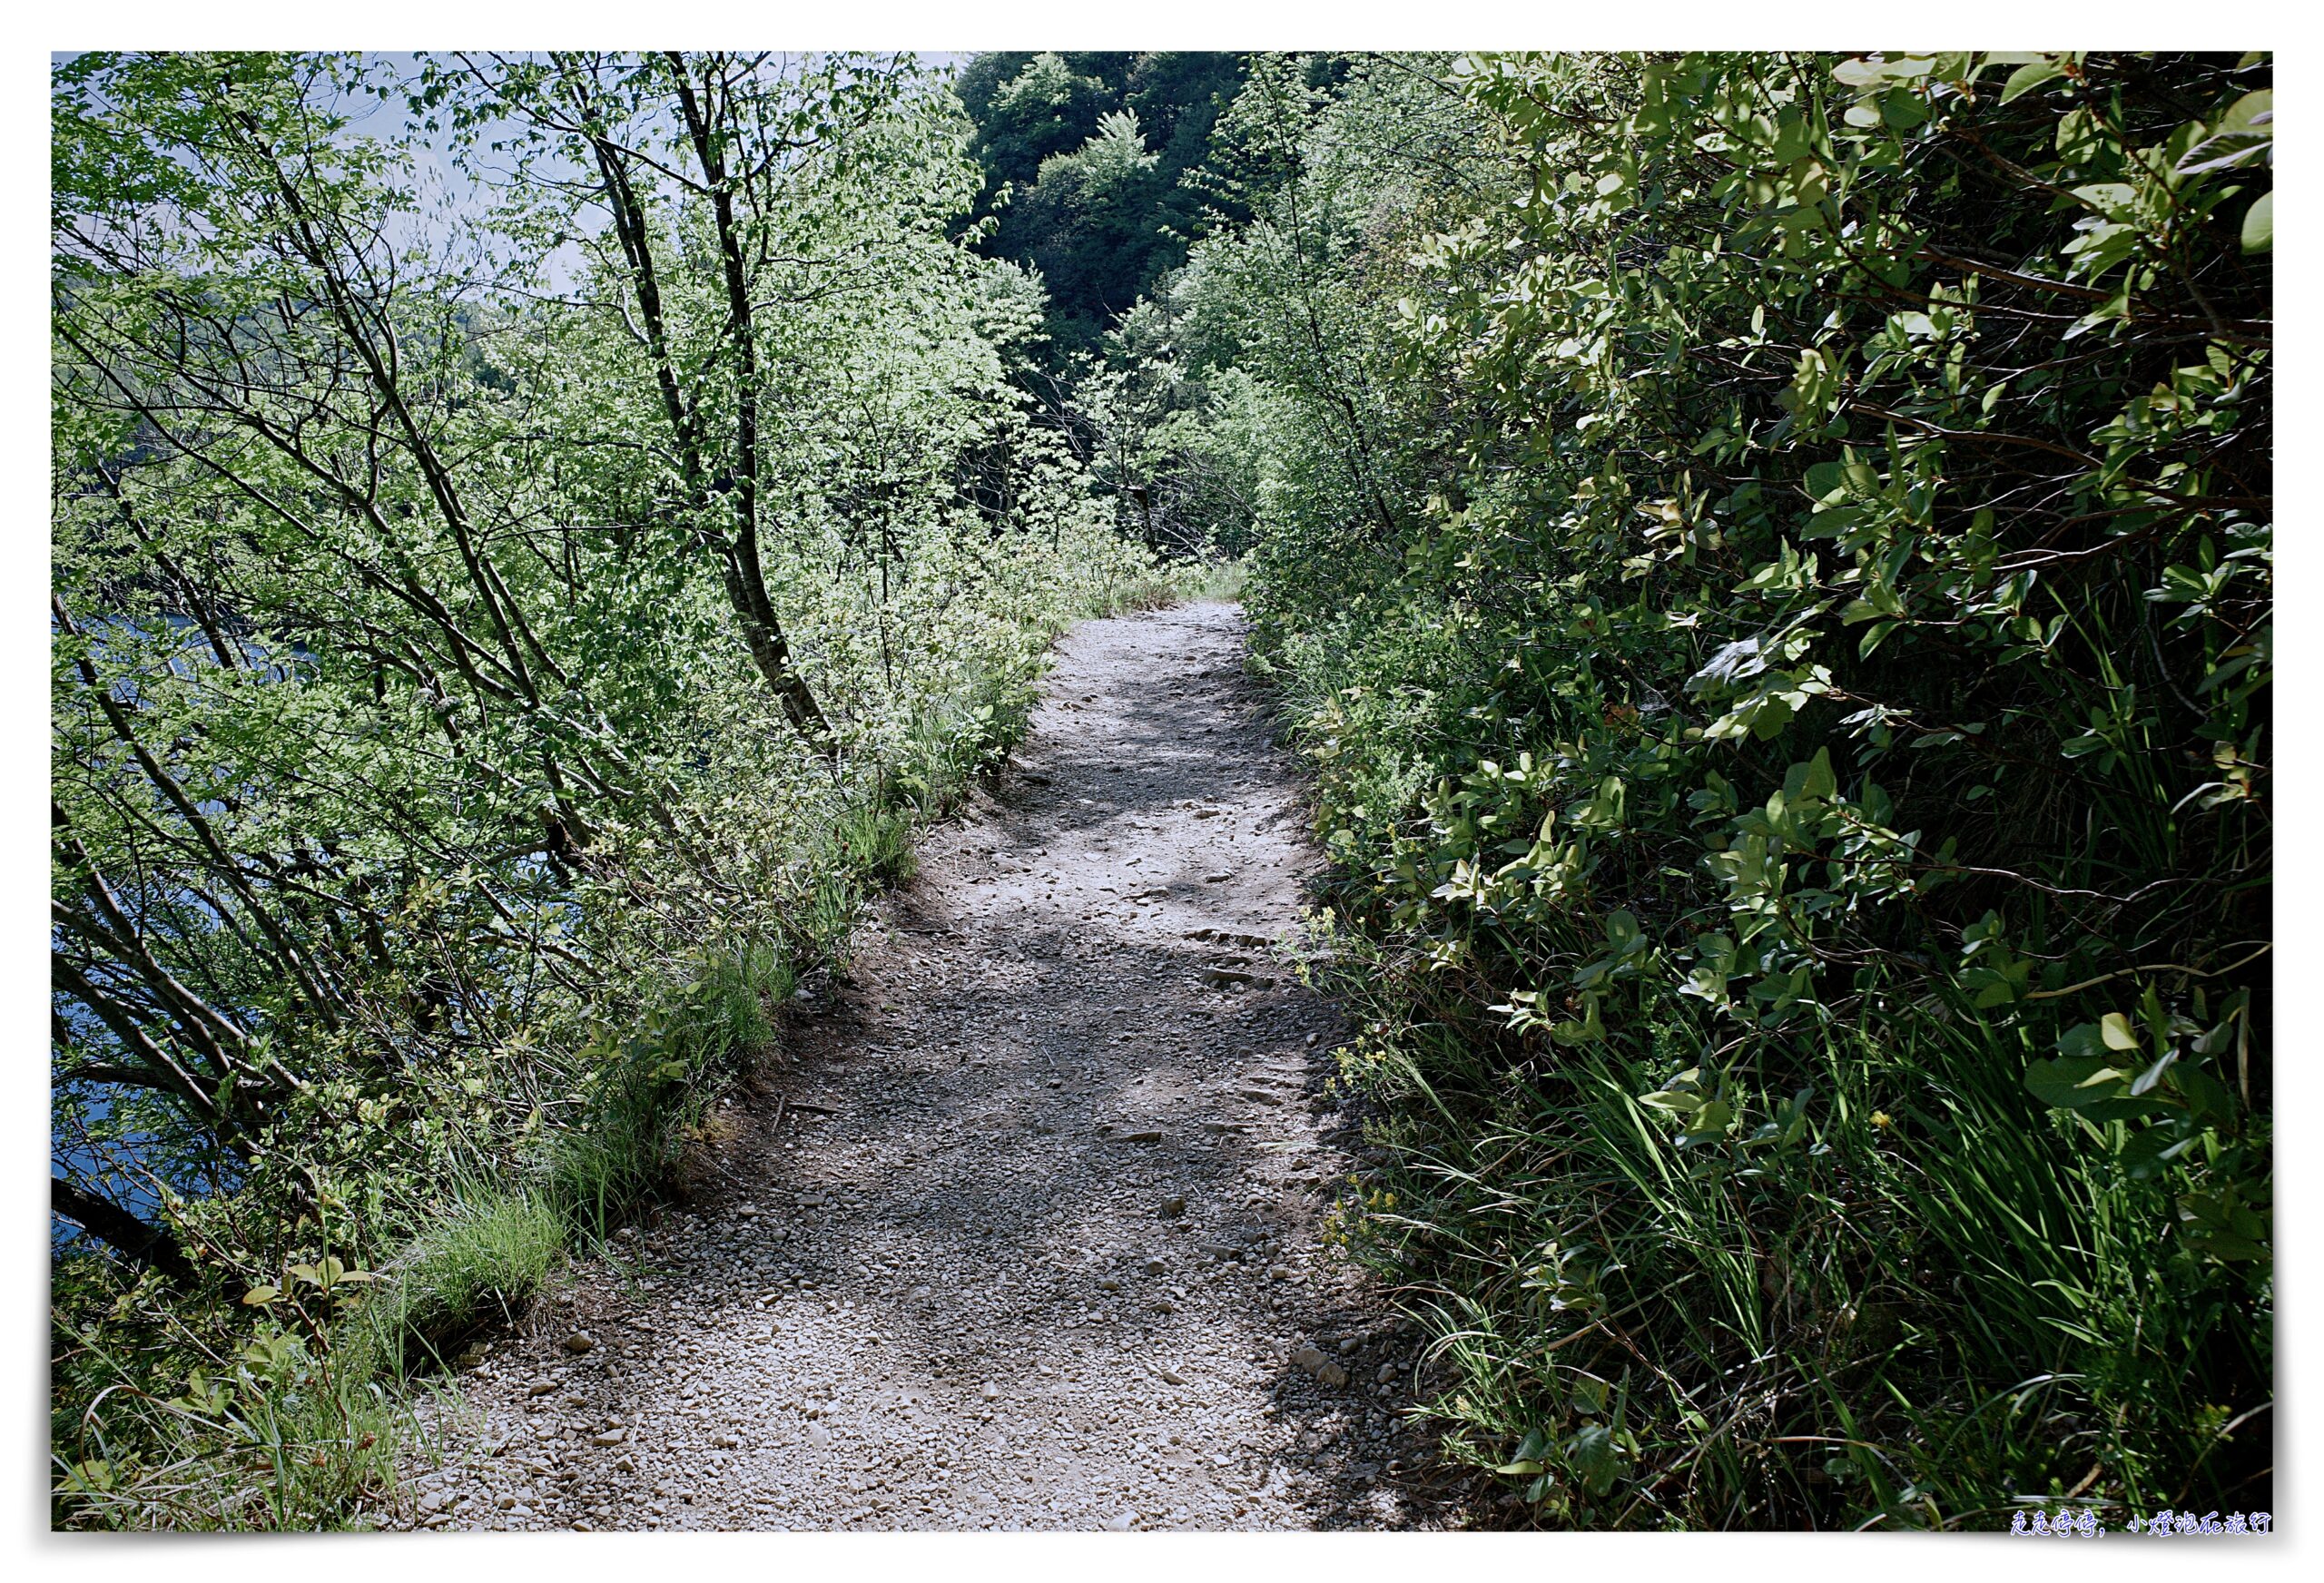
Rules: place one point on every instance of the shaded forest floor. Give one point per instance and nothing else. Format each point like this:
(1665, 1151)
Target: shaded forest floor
(1023, 1225)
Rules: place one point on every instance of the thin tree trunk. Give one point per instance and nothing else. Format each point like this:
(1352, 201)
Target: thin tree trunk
(745, 587)
(762, 628)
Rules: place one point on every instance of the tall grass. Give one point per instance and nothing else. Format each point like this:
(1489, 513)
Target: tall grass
(1906, 1299)
(481, 1266)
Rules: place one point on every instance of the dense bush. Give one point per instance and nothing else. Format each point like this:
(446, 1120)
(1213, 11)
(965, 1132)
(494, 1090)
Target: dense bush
(1771, 556)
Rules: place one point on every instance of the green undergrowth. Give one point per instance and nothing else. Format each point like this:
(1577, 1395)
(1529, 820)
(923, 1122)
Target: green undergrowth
(1770, 558)
(1177, 583)
(1900, 1296)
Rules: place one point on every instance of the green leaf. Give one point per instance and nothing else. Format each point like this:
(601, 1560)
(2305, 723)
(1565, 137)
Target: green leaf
(2111, 199)
(1863, 73)
(1588, 1030)
(2030, 76)
(2148, 1151)
(2217, 1221)
(2211, 1099)
(1819, 781)
(2225, 151)
(2146, 1080)
(2260, 225)
(1594, 1455)
(1769, 720)
(1903, 108)
(2073, 1082)
(1998, 991)
(2116, 1030)
(1709, 1123)
(2255, 109)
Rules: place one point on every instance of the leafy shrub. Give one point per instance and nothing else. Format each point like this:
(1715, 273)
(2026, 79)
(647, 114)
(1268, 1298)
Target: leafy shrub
(1770, 558)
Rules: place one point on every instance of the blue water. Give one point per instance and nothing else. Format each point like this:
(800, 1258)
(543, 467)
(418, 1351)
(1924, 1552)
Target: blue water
(122, 1169)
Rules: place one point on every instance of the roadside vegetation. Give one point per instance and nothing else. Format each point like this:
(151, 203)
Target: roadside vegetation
(1770, 558)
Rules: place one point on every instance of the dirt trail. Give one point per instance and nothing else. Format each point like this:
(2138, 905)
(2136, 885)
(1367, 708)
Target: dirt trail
(1024, 1231)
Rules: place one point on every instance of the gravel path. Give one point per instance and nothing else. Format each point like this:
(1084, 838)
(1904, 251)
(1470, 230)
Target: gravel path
(1022, 1229)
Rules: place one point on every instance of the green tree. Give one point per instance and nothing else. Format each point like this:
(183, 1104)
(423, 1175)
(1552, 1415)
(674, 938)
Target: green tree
(496, 646)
